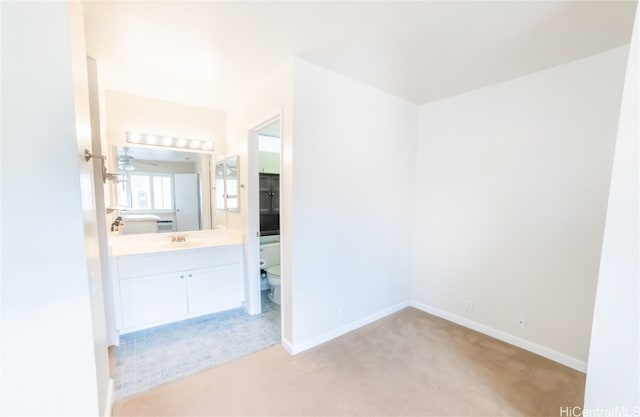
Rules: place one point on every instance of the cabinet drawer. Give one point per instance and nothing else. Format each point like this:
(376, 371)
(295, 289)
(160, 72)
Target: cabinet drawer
(157, 263)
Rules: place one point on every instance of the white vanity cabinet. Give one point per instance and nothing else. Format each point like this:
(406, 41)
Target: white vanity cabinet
(158, 288)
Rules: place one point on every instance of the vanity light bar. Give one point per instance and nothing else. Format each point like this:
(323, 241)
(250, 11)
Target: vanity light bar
(170, 142)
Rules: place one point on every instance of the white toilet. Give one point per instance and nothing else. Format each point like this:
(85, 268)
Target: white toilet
(273, 276)
(270, 262)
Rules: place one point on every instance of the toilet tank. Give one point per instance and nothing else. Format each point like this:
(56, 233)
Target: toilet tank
(270, 252)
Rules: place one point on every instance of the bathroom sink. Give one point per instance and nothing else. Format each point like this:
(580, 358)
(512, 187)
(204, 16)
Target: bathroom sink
(181, 245)
(141, 244)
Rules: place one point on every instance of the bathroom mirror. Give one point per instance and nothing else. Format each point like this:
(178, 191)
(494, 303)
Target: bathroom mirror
(220, 185)
(171, 186)
(232, 184)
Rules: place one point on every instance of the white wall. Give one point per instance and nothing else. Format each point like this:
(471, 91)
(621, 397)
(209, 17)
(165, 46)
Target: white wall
(128, 112)
(347, 190)
(512, 186)
(352, 202)
(269, 162)
(50, 346)
(613, 376)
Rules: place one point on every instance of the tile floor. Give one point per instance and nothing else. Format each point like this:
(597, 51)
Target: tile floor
(151, 357)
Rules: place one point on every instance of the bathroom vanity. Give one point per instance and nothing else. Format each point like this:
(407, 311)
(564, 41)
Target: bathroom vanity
(158, 281)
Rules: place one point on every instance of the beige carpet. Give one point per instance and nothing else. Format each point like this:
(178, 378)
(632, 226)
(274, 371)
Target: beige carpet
(409, 363)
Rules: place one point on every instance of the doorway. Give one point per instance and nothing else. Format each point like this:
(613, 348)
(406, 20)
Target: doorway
(264, 247)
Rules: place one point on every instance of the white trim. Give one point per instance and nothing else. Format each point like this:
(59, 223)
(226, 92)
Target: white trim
(287, 345)
(108, 405)
(544, 351)
(267, 120)
(294, 349)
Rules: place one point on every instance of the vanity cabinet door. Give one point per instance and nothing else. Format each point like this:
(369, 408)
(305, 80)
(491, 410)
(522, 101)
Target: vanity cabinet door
(275, 194)
(214, 289)
(265, 190)
(153, 300)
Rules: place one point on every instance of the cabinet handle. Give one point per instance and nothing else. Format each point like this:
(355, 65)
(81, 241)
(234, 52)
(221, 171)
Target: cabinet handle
(181, 276)
(190, 275)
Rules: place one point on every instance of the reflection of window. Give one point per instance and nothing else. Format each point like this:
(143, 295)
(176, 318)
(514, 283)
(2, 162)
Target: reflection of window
(147, 192)
(232, 193)
(140, 192)
(220, 193)
(162, 197)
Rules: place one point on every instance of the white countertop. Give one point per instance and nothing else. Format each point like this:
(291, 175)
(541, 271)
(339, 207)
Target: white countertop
(124, 245)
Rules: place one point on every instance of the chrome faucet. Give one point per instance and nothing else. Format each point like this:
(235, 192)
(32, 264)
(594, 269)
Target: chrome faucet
(178, 238)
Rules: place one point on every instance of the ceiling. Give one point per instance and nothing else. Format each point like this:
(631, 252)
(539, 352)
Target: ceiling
(154, 154)
(210, 53)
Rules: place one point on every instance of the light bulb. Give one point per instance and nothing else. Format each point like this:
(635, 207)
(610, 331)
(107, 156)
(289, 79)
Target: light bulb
(151, 139)
(181, 143)
(195, 144)
(167, 140)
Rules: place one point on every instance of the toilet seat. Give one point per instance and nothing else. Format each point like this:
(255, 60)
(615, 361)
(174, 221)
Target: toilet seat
(274, 271)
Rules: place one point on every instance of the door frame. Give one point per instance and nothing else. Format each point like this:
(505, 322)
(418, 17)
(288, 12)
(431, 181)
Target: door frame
(254, 305)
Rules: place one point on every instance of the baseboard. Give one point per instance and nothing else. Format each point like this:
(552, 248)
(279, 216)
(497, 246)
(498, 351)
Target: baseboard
(294, 349)
(108, 404)
(287, 345)
(543, 351)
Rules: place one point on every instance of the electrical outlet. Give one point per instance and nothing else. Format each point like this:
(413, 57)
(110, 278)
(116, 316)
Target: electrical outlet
(468, 305)
(522, 322)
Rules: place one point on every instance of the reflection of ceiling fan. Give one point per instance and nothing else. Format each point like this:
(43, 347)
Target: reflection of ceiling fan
(125, 162)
